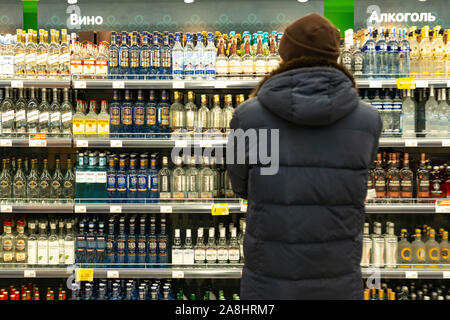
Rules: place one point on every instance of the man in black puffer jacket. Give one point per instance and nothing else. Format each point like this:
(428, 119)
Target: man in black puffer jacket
(304, 223)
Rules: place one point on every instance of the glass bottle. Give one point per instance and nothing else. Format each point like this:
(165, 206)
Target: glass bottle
(33, 182)
(164, 180)
(200, 248)
(30, 55)
(393, 59)
(377, 258)
(380, 178)
(211, 248)
(192, 180)
(177, 114)
(166, 58)
(66, 113)
(19, 55)
(144, 56)
(444, 113)
(155, 54)
(423, 179)
(163, 115)
(432, 121)
(228, 111)
(42, 245)
(150, 114)
(69, 245)
(126, 123)
(53, 55)
(55, 115)
(139, 115)
(114, 114)
(418, 250)
(191, 113)
(69, 182)
(209, 58)
(406, 179)
(178, 180)
(7, 243)
(391, 246)
(32, 113)
(53, 245)
(216, 116)
(207, 184)
(19, 182)
(188, 58)
(222, 67)
(404, 250)
(42, 56)
(199, 68)
(5, 182)
(248, 67)
(445, 249)
(203, 116)
(408, 117)
(163, 241)
(235, 61)
(366, 247)
(432, 249)
(152, 179)
(134, 57)
(56, 190)
(45, 181)
(124, 57)
(64, 55)
(222, 248)
(381, 54)
(44, 108)
(32, 245)
(91, 120)
(177, 252)
(393, 179)
(426, 51)
(370, 55)
(20, 116)
(8, 58)
(273, 60)
(113, 57)
(177, 58)
(7, 114)
(260, 60)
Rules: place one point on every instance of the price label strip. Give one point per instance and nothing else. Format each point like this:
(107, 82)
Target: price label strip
(410, 143)
(37, 140)
(406, 83)
(180, 143)
(79, 84)
(446, 274)
(178, 85)
(446, 142)
(220, 85)
(84, 275)
(411, 275)
(115, 209)
(116, 143)
(375, 84)
(16, 84)
(220, 209)
(421, 83)
(442, 206)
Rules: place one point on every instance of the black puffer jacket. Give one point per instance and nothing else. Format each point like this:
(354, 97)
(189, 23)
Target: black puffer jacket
(304, 224)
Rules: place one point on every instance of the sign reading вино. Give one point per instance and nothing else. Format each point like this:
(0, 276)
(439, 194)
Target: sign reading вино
(405, 13)
(173, 15)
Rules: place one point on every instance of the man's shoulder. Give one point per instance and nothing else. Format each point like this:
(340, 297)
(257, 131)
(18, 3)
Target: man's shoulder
(248, 106)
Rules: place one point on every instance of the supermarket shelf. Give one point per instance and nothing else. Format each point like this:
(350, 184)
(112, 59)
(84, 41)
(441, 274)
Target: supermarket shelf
(414, 142)
(164, 84)
(400, 208)
(392, 83)
(24, 142)
(37, 83)
(407, 273)
(31, 208)
(149, 142)
(35, 273)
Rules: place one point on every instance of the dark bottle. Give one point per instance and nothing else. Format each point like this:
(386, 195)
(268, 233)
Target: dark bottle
(139, 115)
(379, 177)
(393, 187)
(132, 179)
(69, 182)
(111, 179)
(114, 114)
(423, 179)
(150, 114)
(126, 125)
(436, 183)
(406, 179)
(33, 182)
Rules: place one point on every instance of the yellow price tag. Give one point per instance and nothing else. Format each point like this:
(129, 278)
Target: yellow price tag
(406, 83)
(85, 275)
(219, 209)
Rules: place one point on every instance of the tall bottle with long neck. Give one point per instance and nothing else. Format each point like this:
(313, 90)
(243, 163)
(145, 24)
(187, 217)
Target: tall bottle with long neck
(444, 113)
(33, 182)
(381, 50)
(8, 113)
(21, 112)
(113, 59)
(199, 68)
(393, 55)
(418, 249)
(55, 115)
(41, 56)
(209, 58)
(57, 182)
(370, 56)
(19, 183)
(124, 58)
(64, 55)
(45, 181)
(44, 111)
(188, 58)
(32, 112)
(415, 66)
(404, 55)
(408, 118)
(5, 182)
(222, 66)
(30, 55)
(166, 57)
(19, 55)
(53, 55)
(432, 121)
(177, 58)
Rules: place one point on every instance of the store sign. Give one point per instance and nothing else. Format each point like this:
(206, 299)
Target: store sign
(76, 20)
(387, 13)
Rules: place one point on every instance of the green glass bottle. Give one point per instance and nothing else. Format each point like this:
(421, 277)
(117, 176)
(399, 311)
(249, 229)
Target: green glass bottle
(33, 182)
(45, 181)
(69, 182)
(56, 186)
(19, 182)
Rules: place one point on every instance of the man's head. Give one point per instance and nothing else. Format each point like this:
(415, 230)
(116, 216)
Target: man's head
(312, 36)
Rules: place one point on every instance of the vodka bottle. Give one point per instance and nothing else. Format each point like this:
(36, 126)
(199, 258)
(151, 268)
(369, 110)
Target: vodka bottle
(150, 113)
(19, 183)
(188, 249)
(222, 66)
(198, 57)
(153, 179)
(397, 113)
(113, 57)
(370, 56)
(20, 243)
(426, 57)
(377, 257)
(91, 119)
(445, 249)
(64, 55)
(404, 56)
(391, 245)
(393, 55)
(211, 248)
(177, 249)
(177, 58)
(44, 109)
(32, 113)
(53, 245)
(207, 183)
(177, 114)
(124, 58)
(178, 180)
(155, 61)
(33, 182)
(203, 115)
(53, 55)
(358, 60)
(222, 247)
(69, 182)
(273, 60)
(432, 121)
(42, 245)
(209, 58)
(126, 121)
(188, 58)
(386, 114)
(164, 180)
(8, 113)
(192, 180)
(382, 55)
(216, 116)
(191, 113)
(5, 181)
(163, 241)
(200, 248)
(163, 115)
(134, 57)
(30, 55)
(45, 181)
(408, 116)
(32, 247)
(55, 115)
(346, 55)
(228, 111)
(444, 113)
(7, 247)
(367, 247)
(42, 56)
(432, 249)
(114, 114)
(404, 255)
(139, 114)
(8, 58)
(20, 121)
(19, 55)
(418, 249)
(56, 187)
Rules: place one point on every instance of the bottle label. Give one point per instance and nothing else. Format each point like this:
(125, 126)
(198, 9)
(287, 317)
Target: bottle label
(121, 182)
(406, 188)
(394, 188)
(433, 254)
(132, 182)
(101, 68)
(272, 64)
(380, 188)
(145, 58)
(260, 67)
(151, 115)
(177, 256)
(20, 115)
(188, 256)
(127, 116)
(199, 255)
(8, 116)
(64, 58)
(19, 58)
(405, 254)
(211, 255)
(248, 67)
(42, 252)
(222, 255)
(91, 177)
(32, 252)
(30, 58)
(66, 117)
(53, 59)
(142, 182)
(76, 67)
(164, 116)
(235, 67)
(166, 58)
(42, 59)
(69, 252)
(80, 176)
(222, 67)
(103, 126)
(139, 116)
(111, 182)
(233, 255)
(101, 177)
(153, 183)
(89, 67)
(445, 252)
(43, 117)
(55, 117)
(423, 188)
(91, 126)
(155, 58)
(420, 254)
(115, 115)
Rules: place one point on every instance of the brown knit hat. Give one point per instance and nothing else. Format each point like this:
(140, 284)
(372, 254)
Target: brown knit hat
(311, 35)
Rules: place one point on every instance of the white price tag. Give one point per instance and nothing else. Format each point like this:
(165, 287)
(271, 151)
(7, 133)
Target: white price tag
(220, 85)
(79, 84)
(421, 83)
(37, 143)
(205, 143)
(16, 84)
(448, 82)
(82, 143)
(177, 274)
(6, 208)
(115, 209)
(178, 84)
(446, 274)
(244, 205)
(165, 209)
(411, 275)
(410, 143)
(446, 142)
(112, 274)
(442, 206)
(371, 194)
(5, 142)
(180, 143)
(29, 274)
(116, 143)
(118, 84)
(375, 84)
(80, 209)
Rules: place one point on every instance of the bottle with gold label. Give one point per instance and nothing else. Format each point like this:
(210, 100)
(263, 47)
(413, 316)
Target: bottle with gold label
(415, 53)
(228, 111)
(79, 120)
(20, 243)
(42, 56)
(7, 243)
(426, 54)
(91, 120)
(191, 114)
(438, 53)
(30, 55)
(432, 249)
(53, 55)
(163, 115)
(418, 250)
(139, 115)
(445, 249)
(404, 250)
(177, 114)
(216, 116)
(64, 56)
(203, 115)
(19, 55)
(248, 64)
(103, 120)
(273, 60)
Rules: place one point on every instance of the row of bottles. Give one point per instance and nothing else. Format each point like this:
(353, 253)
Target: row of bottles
(408, 116)
(130, 178)
(408, 290)
(32, 184)
(23, 115)
(32, 292)
(23, 56)
(391, 179)
(386, 250)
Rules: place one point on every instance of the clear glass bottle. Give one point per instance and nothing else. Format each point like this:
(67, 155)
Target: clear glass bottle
(209, 58)
(33, 182)
(30, 55)
(222, 247)
(188, 249)
(8, 114)
(191, 113)
(5, 182)
(19, 183)
(124, 57)
(233, 248)
(445, 249)
(55, 115)
(177, 114)
(42, 245)
(69, 245)
(444, 113)
(177, 252)
(42, 56)
(273, 60)
(207, 184)
(56, 190)
(32, 258)
(211, 248)
(21, 112)
(192, 180)
(188, 58)
(203, 117)
(69, 182)
(235, 61)
(32, 113)
(418, 249)
(391, 245)
(426, 54)
(393, 58)
(7, 239)
(377, 257)
(408, 116)
(64, 55)
(44, 109)
(53, 55)
(216, 117)
(163, 115)
(53, 245)
(177, 58)
(366, 247)
(248, 63)
(45, 181)
(432, 249)
(178, 180)
(66, 113)
(370, 56)
(164, 180)
(91, 119)
(404, 54)
(19, 55)
(228, 112)
(222, 67)
(404, 254)
(198, 53)
(432, 121)
(200, 248)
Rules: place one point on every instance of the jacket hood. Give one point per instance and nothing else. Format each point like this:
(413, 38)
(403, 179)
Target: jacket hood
(309, 92)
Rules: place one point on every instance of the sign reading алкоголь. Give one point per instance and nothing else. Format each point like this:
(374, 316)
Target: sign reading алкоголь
(405, 13)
